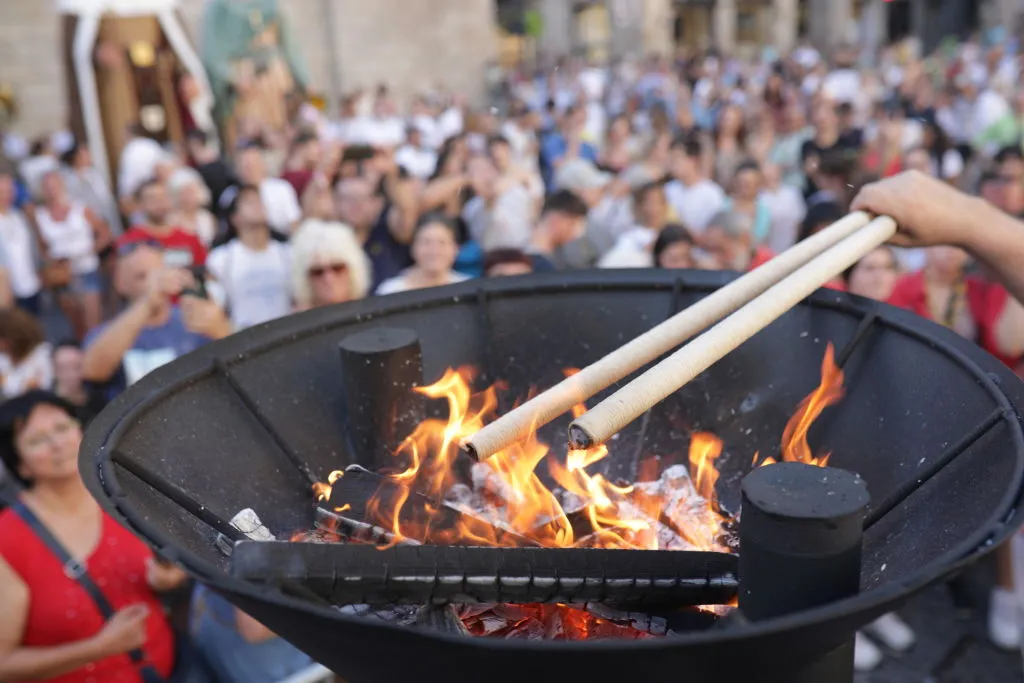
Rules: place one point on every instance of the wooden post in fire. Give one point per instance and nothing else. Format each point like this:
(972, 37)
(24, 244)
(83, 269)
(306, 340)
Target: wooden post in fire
(379, 369)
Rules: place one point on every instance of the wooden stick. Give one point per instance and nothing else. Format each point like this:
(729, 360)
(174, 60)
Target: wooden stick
(546, 406)
(660, 381)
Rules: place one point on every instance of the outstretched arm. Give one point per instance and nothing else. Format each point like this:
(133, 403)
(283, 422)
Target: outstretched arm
(930, 212)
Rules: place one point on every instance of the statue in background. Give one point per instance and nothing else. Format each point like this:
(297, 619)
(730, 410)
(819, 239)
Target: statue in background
(254, 68)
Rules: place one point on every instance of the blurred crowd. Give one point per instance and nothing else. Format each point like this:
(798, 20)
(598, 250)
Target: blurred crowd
(702, 161)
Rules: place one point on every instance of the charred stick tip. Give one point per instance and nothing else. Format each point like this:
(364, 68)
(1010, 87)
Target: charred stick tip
(578, 438)
(469, 449)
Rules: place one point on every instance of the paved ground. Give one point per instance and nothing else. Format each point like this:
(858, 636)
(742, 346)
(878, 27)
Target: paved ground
(952, 646)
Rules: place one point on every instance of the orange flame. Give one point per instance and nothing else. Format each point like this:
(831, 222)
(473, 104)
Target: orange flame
(322, 491)
(509, 496)
(704, 450)
(830, 391)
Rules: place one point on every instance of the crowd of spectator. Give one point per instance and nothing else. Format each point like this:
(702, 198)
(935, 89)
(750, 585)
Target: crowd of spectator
(703, 161)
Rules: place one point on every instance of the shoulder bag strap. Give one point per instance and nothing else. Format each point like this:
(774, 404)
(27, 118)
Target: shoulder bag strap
(73, 569)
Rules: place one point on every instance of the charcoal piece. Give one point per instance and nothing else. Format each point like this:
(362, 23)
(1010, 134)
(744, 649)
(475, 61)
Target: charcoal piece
(379, 369)
(360, 491)
(350, 530)
(633, 579)
(441, 618)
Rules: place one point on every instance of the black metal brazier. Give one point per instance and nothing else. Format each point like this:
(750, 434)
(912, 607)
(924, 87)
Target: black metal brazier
(929, 421)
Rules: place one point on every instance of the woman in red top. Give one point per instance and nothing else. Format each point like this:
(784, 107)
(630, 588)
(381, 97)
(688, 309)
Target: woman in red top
(50, 629)
(969, 305)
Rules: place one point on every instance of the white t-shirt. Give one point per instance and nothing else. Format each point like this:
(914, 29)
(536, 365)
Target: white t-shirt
(631, 250)
(429, 133)
(522, 144)
(385, 132)
(281, 203)
(696, 204)
(71, 238)
(449, 123)
(256, 285)
(399, 283)
(508, 224)
(842, 85)
(34, 372)
(139, 159)
(419, 162)
(788, 208)
(950, 166)
(988, 109)
(16, 237)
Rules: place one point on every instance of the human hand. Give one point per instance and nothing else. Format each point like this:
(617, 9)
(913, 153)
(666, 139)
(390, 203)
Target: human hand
(927, 210)
(204, 317)
(123, 632)
(162, 576)
(165, 283)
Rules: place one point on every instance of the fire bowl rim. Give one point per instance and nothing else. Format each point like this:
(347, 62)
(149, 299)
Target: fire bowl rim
(101, 438)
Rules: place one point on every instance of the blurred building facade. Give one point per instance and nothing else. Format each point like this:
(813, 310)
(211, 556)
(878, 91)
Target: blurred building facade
(414, 44)
(408, 44)
(597, 29)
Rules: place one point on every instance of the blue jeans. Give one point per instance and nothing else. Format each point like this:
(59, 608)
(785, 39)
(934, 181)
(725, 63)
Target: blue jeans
(87, 283)
(232, 659)
(31, 304)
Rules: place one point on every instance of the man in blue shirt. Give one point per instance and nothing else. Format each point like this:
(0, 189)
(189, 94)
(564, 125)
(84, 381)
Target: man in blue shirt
(151, 331)
(566, 143)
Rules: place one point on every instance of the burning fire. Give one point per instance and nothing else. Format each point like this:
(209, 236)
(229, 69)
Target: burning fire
(586, 510)
(794, 437)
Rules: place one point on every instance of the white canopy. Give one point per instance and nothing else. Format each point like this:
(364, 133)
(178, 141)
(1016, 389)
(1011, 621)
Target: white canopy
(121, 7)
(91, 12)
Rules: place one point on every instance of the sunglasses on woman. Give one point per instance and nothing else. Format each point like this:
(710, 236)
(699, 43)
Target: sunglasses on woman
(335, 268)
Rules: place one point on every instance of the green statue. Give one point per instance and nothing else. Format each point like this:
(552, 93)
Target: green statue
(254, 67)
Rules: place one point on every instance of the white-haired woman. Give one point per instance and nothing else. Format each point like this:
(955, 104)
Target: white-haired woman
(191, 196)
(328, 265)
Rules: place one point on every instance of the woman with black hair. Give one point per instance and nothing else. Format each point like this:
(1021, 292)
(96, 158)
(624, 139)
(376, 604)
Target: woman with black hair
(446, 189)
(673, 248)
(947, 163)
(78, 593)
(435, 247)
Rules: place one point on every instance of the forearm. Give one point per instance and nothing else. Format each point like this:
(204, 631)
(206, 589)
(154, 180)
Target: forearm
(439, 191)
(6, 294)
(104, 355)
(997, 241)
(404, 213)
(42, 663)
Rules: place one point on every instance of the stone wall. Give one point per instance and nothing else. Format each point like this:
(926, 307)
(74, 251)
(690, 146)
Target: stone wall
(409, 44)
(30, 63)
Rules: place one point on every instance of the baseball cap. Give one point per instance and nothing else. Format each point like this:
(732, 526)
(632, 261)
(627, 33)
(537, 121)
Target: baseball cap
(579, 174)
